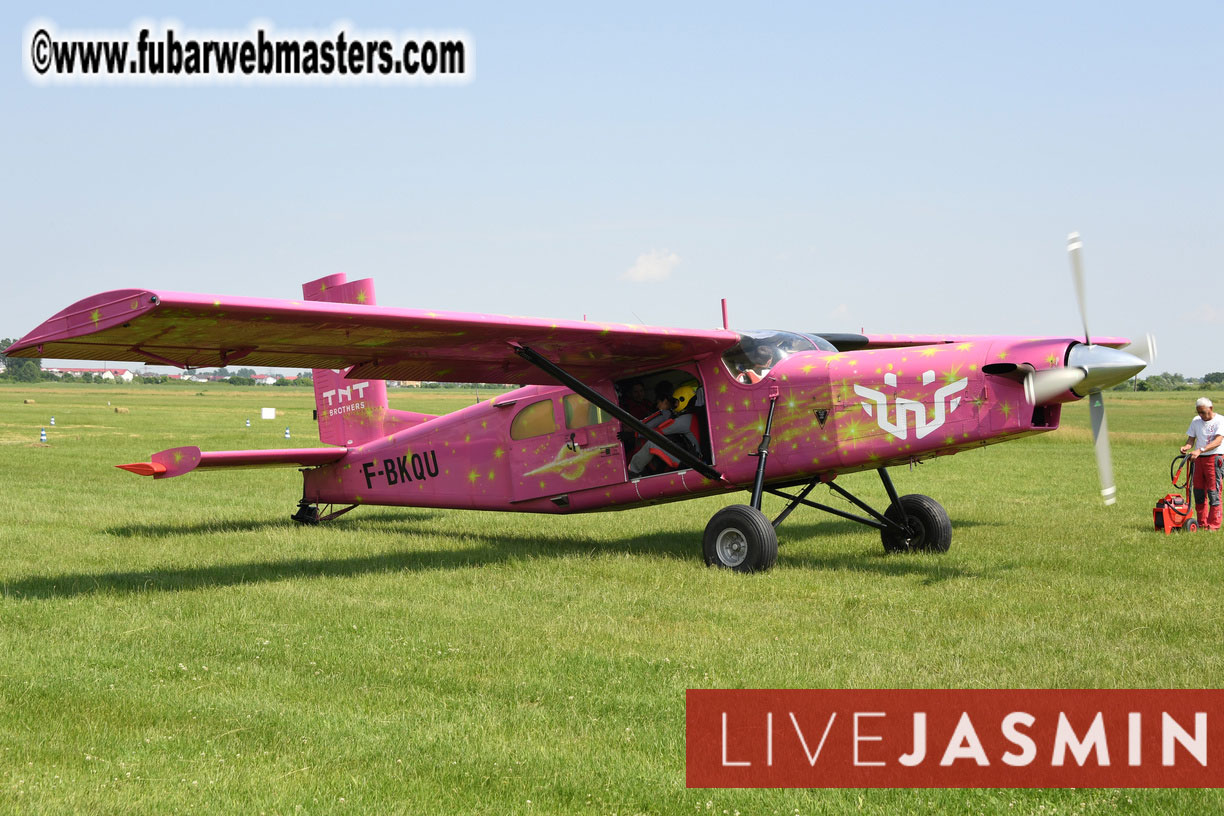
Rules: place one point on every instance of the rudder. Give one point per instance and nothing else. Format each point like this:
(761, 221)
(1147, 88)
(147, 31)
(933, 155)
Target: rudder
(352, 412)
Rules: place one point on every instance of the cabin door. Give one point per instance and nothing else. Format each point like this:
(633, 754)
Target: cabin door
(561, 445)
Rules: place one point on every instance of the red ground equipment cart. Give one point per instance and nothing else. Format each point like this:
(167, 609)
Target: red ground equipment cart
(1175, 512)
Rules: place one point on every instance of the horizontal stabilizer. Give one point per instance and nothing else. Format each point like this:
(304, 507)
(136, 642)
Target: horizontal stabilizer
(144, 468)
(177, 461)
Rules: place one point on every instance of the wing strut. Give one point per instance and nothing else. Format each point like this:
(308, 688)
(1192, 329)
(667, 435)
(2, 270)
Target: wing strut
(579, 387)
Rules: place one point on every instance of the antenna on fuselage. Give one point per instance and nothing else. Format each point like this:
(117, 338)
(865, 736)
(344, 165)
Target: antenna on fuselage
(724, 307)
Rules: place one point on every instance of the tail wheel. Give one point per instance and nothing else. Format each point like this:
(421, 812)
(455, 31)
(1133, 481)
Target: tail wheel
(307, 513)
(740, 538)
(926, 523)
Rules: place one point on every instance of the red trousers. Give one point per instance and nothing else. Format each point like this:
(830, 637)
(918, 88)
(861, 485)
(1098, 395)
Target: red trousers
(1207, 478)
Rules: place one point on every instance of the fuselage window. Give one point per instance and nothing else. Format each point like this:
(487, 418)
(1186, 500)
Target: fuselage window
(536, 419)
(581, 412)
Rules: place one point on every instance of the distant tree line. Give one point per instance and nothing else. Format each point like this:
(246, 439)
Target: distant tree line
(19, 369)
(29, 370)
(1169, 381)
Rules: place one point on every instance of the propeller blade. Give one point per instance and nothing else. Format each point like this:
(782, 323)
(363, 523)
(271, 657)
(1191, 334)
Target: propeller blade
(1074, 245)
(1100, 441)
(1042, 386)
(1144, 349)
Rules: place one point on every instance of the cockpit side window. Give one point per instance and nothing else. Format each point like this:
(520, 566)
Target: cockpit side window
(580, 412)
(752, 358)
(536, 419)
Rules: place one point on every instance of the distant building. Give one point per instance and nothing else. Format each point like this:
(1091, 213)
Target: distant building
(122, 374)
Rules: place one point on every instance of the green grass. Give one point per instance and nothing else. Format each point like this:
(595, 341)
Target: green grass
(180, 645)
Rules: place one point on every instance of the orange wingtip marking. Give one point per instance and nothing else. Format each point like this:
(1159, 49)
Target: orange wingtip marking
(144, 468)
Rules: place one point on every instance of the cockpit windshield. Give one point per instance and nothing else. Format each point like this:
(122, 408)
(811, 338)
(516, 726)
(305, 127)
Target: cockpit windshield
(757, 352)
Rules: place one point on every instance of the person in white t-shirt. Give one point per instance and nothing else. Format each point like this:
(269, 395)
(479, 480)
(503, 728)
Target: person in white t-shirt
(1203, 440)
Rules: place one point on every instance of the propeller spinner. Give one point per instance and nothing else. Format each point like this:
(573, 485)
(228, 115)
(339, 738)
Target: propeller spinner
(1089, 370)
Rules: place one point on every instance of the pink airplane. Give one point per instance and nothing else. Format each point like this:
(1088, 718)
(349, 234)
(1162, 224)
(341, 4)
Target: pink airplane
(774, 412)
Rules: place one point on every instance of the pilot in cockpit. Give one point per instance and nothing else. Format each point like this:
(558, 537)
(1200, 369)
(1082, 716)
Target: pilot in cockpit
(761, 358)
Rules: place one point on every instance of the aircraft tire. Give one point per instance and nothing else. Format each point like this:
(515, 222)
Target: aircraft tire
(931, 528)
(306, 514)
(740, 538)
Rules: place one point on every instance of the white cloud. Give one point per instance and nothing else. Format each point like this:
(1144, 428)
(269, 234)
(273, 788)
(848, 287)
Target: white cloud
(841, 312)
(652, 267)
(1207, 314)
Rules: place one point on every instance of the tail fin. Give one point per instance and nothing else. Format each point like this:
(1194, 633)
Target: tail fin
(352, 412)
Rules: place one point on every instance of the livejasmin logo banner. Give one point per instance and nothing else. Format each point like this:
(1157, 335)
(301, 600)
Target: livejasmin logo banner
(926, 738)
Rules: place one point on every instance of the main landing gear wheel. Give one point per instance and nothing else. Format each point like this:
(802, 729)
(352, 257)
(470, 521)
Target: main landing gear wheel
(928, 528)
(740, 538)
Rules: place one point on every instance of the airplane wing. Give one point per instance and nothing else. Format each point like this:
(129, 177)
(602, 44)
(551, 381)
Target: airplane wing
(197, 331)
(854, 342)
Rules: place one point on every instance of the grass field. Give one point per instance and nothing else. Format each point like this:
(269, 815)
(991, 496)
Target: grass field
(181, 645)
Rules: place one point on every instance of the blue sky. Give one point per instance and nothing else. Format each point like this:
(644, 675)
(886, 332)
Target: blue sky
(824, 167)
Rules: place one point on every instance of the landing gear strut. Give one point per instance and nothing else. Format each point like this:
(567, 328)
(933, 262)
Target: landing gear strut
(742, 538)
(912, 523)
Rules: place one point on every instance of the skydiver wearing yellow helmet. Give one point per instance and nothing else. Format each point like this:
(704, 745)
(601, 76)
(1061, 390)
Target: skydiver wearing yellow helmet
(681, 426)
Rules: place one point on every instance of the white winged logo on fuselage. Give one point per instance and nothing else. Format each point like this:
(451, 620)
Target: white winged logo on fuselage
(877, 405)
